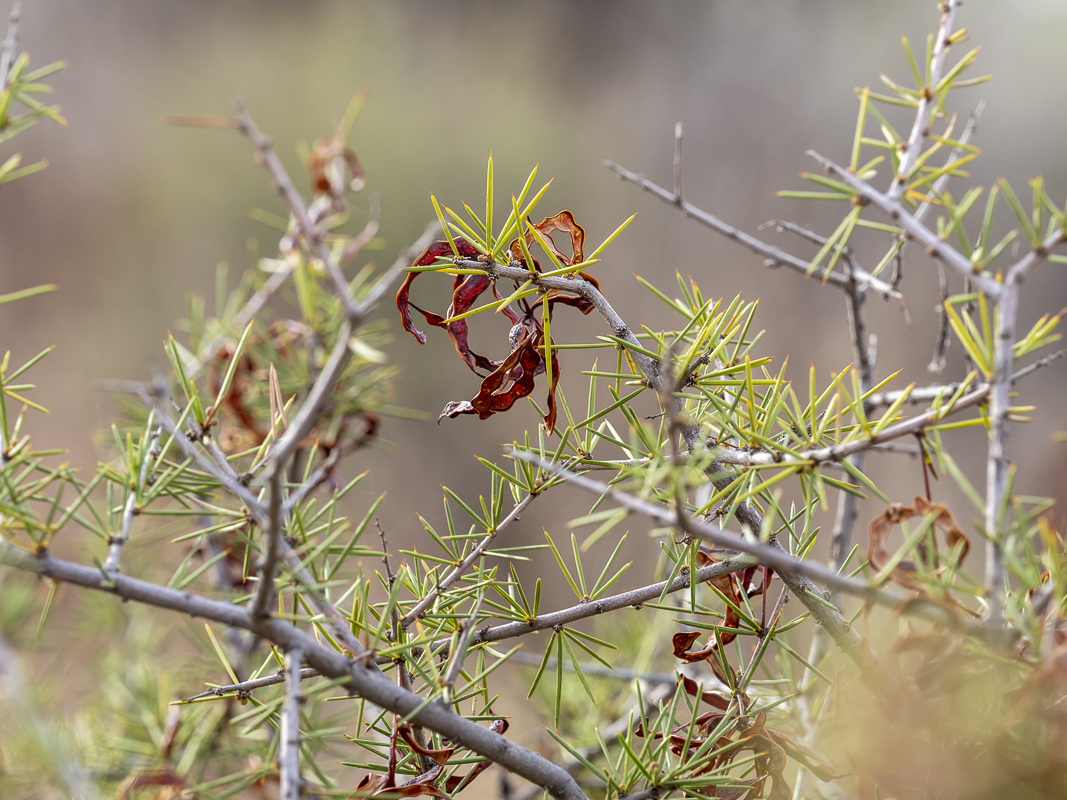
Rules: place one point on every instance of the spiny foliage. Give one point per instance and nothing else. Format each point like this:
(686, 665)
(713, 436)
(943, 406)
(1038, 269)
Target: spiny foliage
(239, 456)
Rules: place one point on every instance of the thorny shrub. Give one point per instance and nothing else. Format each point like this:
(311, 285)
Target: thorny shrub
(920, 679)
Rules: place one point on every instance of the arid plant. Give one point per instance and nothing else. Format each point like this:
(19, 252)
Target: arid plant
(730, 682)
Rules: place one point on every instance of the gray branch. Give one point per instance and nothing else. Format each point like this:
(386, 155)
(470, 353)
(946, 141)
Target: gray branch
(116, 543)
(774, 255)
(261, 603)
(935, 245)
(796, 573)
(633, 598)
(289, 744)
(360, 679)
(308, 230)
(920, 129)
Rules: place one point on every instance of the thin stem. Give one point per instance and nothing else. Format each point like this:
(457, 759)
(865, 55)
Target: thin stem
(246, 687)
(1000, 429)
(261, 603)
(260, 516)
(403, 676)
(925, 394)
(775, 256)
(635, 598)
(314, 405)
(928, 101)
(289, 745)
(457, 571)
(935, 245)
(281, 181)
(131, 508)
(796, 573)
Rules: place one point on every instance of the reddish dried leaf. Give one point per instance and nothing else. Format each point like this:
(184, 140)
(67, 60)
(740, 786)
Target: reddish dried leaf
(464, 296)
(564, 222)
(457, 782)
(879, 529)
(378, 786)
(440, 757)
(170, 784)
(728, 585)
(322, 153)
(518, 369)
(683, 641)
(513, 378)
(711, 698)
(428, 257)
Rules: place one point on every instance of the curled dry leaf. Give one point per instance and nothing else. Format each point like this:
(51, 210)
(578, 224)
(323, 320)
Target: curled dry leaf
(381, 784)
(241, 427)
(769, 747)
(734, 586)
(440, 757)
(692, 688)
(377, 786)
(327, 152)
(904, 573)
(168, 783)
(512, 378)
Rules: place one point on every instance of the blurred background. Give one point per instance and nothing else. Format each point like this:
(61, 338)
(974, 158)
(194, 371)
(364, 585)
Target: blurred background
(132, 215)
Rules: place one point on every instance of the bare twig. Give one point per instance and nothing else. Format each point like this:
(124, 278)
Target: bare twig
(403, 676)
(246, 687)
(261, 516)
(284, 185)
(775, 256)
(999, 408)
(317, 400)
(957, 151)
(289, 745)
(938, 361)
(926, 394)
(264, 598)
(864, 351)
(634, 598)
(317, 478)
(840, 452)
(312, 408)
